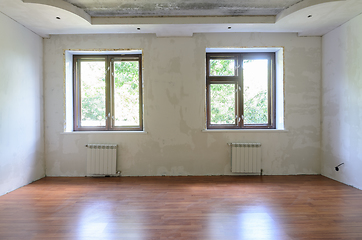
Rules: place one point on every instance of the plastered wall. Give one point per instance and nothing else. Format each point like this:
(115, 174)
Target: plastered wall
(342, 103)
(174, 103)
(21, 106)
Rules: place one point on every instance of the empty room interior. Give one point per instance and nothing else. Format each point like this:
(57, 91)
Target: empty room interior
(171, 119)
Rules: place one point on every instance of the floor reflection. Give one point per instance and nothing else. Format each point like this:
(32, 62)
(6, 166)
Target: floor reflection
(246, 223)
(104, 220)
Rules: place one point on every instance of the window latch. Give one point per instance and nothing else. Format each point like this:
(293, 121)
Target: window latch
(108, 115)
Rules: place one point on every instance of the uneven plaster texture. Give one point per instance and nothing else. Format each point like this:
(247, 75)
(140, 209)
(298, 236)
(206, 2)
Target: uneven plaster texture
(174, 103)
(342, 103)
(182, 8)
(21, 106)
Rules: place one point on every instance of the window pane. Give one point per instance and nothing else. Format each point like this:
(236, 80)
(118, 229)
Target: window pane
(222, 103)
(222, 67)
(126, 96)
(93, 94)
(255, 73)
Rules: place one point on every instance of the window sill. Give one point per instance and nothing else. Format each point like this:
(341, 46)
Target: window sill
(105, 132)
(245, 130)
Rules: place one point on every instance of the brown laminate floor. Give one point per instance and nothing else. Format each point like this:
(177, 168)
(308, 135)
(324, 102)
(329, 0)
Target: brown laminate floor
(210, 208)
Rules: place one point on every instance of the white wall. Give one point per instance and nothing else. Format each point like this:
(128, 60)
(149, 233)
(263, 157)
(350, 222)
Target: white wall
(342, 103)
(21, 106)
(174, 98)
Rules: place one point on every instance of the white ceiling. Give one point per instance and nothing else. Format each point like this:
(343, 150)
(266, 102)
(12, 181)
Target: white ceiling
(180, 17)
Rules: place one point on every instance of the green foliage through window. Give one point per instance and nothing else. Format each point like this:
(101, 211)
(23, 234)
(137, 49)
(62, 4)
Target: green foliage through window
(93, 92)
(250, 87)
(126, 84)
(222, 103)
(108, 93)
(255, 79)
(222, 67)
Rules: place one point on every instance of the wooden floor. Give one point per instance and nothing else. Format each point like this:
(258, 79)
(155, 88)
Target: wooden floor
(220, 208)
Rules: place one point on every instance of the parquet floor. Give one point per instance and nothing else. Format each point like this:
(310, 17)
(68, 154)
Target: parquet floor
(210, 208)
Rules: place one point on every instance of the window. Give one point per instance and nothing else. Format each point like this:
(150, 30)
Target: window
(240, 90)
(107, 92)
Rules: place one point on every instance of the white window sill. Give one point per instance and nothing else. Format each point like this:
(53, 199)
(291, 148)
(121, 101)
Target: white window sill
(245, 130)
(105, 132)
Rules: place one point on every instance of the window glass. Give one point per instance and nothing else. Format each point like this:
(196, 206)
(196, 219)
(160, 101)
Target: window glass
(126, 97)
(242, 97)
(255, 79)
(93, 93)
(107, 93)
(222, 103)
(222, 67)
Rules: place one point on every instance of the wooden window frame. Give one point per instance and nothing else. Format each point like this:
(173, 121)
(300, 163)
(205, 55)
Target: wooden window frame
(109, 101)
(237, 79)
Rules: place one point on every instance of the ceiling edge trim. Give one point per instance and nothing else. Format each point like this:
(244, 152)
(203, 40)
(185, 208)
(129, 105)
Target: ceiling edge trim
(63, 5)
(302, 5)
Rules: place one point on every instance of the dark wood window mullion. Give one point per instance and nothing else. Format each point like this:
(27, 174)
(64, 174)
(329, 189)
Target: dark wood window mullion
(108, 90)
(208, 103)
(111, 93)
(114, 59)
(269, 91)
(273, 91)
(236, 114)
(208, 115)
(140, 87)
(207, 66)
(78, 97)
(75, 94)
(241, 92)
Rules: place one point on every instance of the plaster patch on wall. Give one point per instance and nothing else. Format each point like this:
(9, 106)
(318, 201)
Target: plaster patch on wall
(174, 100)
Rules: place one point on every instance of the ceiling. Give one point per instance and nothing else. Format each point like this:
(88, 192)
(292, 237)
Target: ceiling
(139, 8)
(180, 17)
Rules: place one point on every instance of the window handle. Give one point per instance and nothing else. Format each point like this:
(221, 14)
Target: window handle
(108, 115)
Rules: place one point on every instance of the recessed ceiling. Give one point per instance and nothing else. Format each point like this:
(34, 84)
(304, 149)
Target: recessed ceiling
(137, 8)
(180, 17)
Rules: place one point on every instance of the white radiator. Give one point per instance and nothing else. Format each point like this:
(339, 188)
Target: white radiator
(245, 157)
(101, 159)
